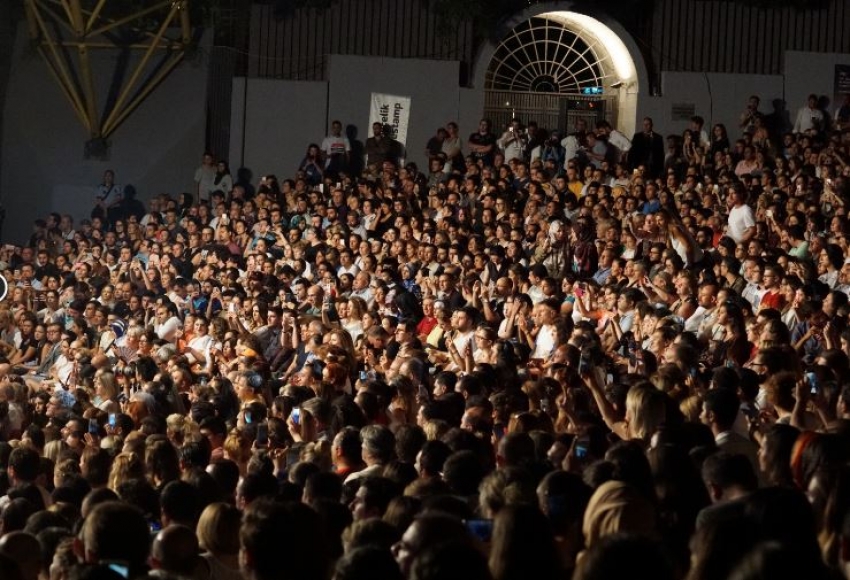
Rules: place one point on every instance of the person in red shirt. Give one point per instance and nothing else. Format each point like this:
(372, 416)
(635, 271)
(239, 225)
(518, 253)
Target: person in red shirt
(772, 298)
(346, 452)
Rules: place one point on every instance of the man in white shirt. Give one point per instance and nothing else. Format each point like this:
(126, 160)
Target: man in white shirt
(618, 143)
(360, 286)
(809, 117)
(346, 264)
(205, 177)
(198, 349)
(844, 278)
(830, 260)
(513, 142)
(706, 302)
(336, 149)
(165, 325)
(179, 294)
(463, 334)
(742, 222)
(753, 291)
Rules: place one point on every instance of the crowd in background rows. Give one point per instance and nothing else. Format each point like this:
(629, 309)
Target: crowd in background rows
(547, 354)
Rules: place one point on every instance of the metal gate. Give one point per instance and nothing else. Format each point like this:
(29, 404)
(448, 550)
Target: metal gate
(549, 110)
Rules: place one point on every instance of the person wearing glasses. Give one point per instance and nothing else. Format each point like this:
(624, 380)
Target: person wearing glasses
(485, 341)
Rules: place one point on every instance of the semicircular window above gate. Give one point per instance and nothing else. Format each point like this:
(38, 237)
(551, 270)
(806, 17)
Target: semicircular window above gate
(541, 55)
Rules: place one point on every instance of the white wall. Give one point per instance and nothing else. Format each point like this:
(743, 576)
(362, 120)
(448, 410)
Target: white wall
(470, 111)
(718, 98)
(273, 121)
(156, 149)
(432, 86)
(810, 72)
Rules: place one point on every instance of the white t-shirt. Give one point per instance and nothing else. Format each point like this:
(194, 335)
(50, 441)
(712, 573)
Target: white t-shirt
(332, 145)
(619, 141)
(205, 178)
(740, 219)
(544, 344)
(808, 119)
(571, 146)
(166, 330)
(201, 344)
(512, 147)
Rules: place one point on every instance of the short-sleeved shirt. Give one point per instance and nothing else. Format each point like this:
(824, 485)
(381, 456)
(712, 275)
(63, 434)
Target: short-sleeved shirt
(205, 178)
(333, 146)
(483, 139)
(741, 218)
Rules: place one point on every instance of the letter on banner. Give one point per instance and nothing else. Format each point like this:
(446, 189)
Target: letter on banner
(391, 110)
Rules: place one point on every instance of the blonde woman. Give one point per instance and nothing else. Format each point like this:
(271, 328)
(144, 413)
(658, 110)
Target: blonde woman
(125, 467)
(54, 449)
(218, 537)
(181, 429)
(237, 448)
(352, 323)
(106, 392)
(645, 410)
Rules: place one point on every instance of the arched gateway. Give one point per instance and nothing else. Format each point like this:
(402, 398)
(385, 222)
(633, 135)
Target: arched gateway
(555, 66)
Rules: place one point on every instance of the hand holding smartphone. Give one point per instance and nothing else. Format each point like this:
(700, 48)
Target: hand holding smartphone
(262, 434)
(812, 380)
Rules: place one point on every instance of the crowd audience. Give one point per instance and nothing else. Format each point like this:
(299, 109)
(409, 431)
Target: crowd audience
(540, 357)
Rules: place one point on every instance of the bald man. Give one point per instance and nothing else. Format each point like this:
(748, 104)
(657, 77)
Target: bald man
(175, 550)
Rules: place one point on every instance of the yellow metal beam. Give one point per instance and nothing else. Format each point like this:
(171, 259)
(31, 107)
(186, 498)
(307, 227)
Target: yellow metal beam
(32, 25)
(58, 63)
(94, 14)
(149, 87)
(125, 92)
(86, 78)
(69, 92)
(92, 18)
(173, 44)
(55, 16)
(82, 25)
(131, 17)
(185, 24)
(67, 10)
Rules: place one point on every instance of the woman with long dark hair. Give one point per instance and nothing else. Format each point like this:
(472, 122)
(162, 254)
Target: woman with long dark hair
(311, 165)
(223, 181)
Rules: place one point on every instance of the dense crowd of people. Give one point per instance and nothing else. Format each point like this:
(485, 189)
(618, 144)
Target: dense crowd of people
(546, 355)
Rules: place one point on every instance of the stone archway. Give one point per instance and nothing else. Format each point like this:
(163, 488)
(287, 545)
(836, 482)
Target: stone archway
(554, 65)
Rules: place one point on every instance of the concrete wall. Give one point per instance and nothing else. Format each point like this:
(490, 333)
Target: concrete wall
(273, 121)
(718, 98)
(156, 149)
(277, 109)
(810, 72)
(432, 86)
(470, 110)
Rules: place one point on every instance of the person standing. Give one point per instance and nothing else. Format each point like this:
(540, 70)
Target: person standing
(205, 177)
(108, 199)
(377, 146)
(336, 149)
(647, 150)
(513, 141)
(809, 117)
(453, 148)
(742, 222)
(482, 143)
(842, 114)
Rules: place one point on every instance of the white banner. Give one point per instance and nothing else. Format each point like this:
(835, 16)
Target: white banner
(391, 110)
